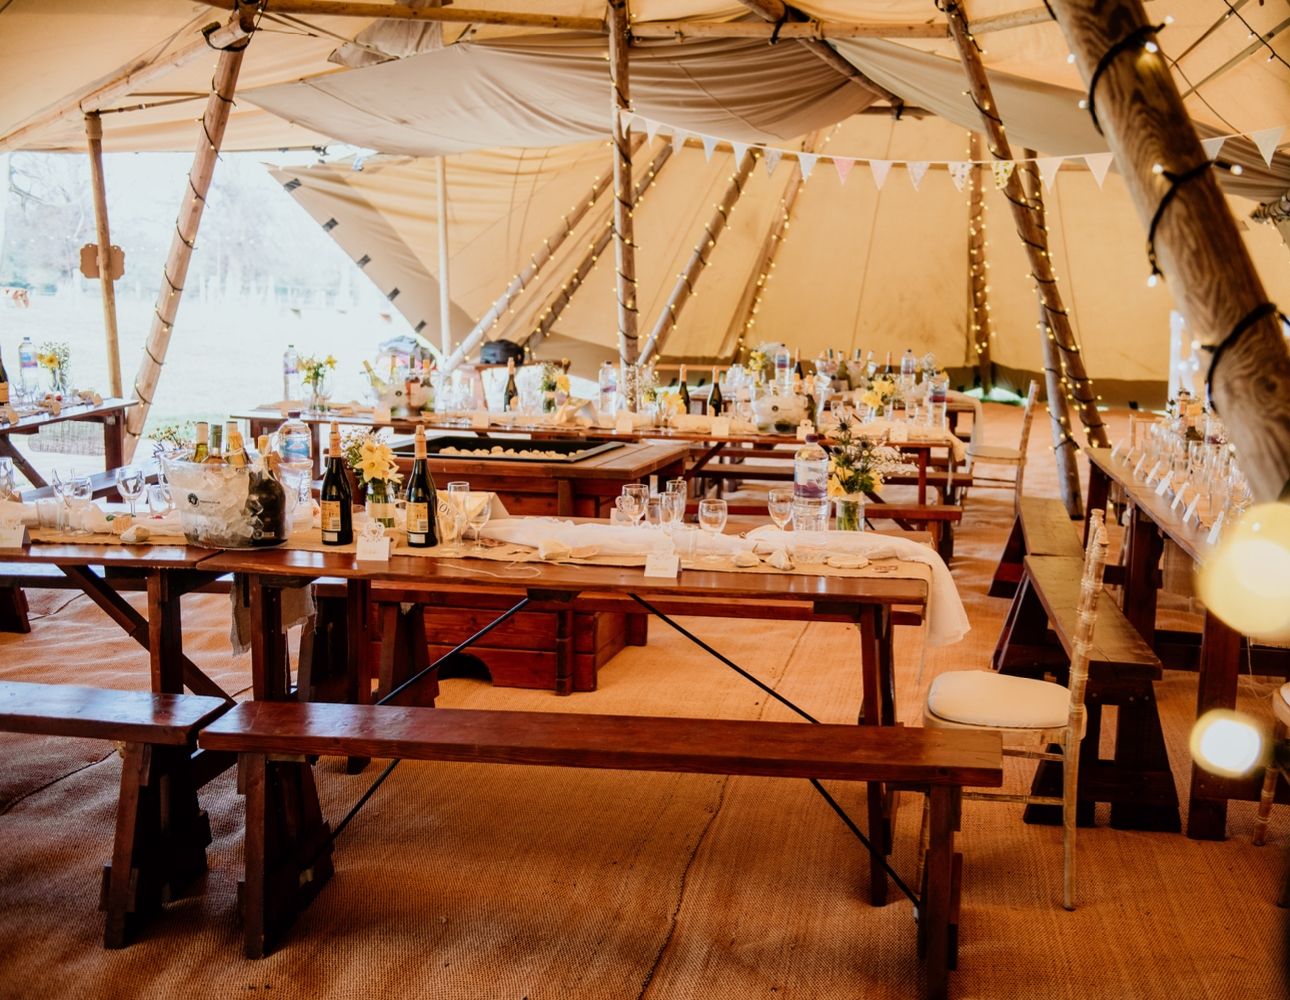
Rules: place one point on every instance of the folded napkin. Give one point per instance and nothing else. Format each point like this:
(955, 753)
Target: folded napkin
(609, 540)
(947, 621)
(12, 510)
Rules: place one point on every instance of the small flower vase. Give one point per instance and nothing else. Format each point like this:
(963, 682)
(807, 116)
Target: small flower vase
(60, 383)
(548, 402)
(878, 412)
(380, 502)
(319, 394)
(850, 513)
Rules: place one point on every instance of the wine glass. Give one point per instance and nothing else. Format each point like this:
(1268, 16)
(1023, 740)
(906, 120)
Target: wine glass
(7, 489)
(654, 511)
(62, 486)
(712, 519)
(673, 509)
(130, 483)
(640, 491)
(79, 495)
(779, 502)
(629, 507)
(477, 517)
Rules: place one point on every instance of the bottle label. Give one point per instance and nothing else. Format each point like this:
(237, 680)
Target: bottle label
(331, 515)
(380, 511)
(4, 393)
(419, 519)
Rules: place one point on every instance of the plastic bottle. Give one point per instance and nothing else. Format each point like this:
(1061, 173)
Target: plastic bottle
(811, 471)
(608, 387)
(783, 369)
(290, 382)
(27, 370)
(908, 367)
(295, 451)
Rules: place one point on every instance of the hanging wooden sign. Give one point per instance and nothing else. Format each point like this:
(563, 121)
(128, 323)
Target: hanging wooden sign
(90, 261)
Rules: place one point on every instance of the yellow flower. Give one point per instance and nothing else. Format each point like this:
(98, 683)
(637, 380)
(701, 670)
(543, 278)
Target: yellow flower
(835, 487)
(330, 362)
(562, 383)
(376, 461)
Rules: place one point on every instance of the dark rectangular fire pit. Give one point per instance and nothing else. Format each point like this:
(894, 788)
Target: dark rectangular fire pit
(484, 449)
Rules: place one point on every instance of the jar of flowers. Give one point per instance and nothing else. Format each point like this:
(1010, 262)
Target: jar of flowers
(857, 465)
(553, 380)
(377, 473)
(55, 358)
(878, 397)
(315, 375)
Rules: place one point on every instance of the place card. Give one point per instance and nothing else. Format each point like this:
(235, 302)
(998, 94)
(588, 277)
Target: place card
(623, 422)
(1164, 483)
(1190, 512)
(665, 566)
(1137, 469)
(9, 413)
(381, 415)
(1212, 537)
(14, 536)
(899, 433)
(1178, 497)
(721, 427)
(478, 419)
(1116, 450)
(373, 549)
(1152, 474)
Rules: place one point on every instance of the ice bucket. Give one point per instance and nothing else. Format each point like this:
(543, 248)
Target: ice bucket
(218, 510)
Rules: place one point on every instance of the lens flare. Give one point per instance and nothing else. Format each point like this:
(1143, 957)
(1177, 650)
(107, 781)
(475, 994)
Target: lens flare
(1247, 580)
(1226, 743)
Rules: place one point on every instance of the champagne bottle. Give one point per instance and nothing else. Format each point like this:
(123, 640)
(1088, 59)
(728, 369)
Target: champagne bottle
(266, 500)
(4, 385)
(335, 495)
(230, 428)
(215, 455)
(377, 382)
(870, 365)
(715, 402)
(201, 450)
(509, 395)
(236, 453)
(797, 365)
(887, 370)
(422, 499)
(684, 393)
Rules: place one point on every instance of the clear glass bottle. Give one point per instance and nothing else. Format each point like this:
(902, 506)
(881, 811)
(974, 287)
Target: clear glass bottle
(290, 368)
(811, 471)
(28, 370)
(608, 387)
(295, 452)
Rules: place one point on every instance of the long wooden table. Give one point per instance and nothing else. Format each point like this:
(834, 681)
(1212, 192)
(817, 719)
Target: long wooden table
(110, 413)
(1220, 648)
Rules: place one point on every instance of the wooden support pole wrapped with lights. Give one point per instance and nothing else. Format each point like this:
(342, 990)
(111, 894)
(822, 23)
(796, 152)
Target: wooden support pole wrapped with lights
(1059, 415)
(1193, 239)
(699, 260)
(213, 123)
(978, 280)
(597, 247)
(1078, 387)
(94, 138)
(624, 232)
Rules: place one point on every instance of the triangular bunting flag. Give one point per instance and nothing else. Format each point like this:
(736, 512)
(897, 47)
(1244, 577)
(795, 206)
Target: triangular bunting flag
(917, 171)
(807, 162)
(1213, 146)
(1267, 142)
(678, 140)
(740, 148)
(626, 114)
(880, 170)
(1048, 167)
(843, 166)
(651, 128)
(959, 172)
(709, 144)
(1099, 163)
(773, 156)
(1002, 171)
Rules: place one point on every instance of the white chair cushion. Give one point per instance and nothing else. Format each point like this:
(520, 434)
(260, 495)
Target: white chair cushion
(993, 453)
(1281, 704)
(984, 698)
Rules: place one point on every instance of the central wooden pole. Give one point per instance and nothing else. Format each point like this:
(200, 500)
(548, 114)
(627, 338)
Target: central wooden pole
(1064, 446)
(445, 298)
(1197, 243)
(94, 136)
(213, 123)
(979, 307)
(1076, 383)
(624, 233)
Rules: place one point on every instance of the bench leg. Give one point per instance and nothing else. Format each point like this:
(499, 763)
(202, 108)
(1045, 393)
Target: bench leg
(404, 653)
(13, 610)
(637, 629)
(358, 596)
(288, 859)
(938, 902)
(1008, 573)
(161, 839)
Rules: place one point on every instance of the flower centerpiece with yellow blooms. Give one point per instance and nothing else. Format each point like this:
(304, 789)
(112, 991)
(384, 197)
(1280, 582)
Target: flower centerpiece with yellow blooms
(857, 466)
(553, 380)
(377, 472)
(55, 358)
(315, 375)
(878, 397)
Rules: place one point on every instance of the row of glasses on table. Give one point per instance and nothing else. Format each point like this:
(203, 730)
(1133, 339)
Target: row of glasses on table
(1206, 468)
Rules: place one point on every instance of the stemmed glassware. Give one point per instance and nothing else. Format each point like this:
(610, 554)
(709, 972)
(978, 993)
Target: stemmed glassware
(712, 519)
(779, 502)
(477, 517)
(131, 483)
(62, 486)
(7, 484)
(654, 511)
(639, 493)
(79, 496)
(630, 507)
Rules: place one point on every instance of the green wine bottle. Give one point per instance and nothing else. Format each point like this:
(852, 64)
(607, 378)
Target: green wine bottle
(510, 394)
(335, 496)
(422, 499)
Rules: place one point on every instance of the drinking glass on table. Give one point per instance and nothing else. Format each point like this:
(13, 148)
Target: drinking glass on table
(712, 519)
(62, 485)
(130, 483)
(673, 509)
(681, 486)
(779, 502)
(80, 494)
(640, 491)
(654, 511)
(7, 488)
(158, 504)
(477, 517)
(685, 539)
(629, 508)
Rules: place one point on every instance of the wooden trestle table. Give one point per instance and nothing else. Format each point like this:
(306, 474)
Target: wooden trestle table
(110, 413)
(1220, 651)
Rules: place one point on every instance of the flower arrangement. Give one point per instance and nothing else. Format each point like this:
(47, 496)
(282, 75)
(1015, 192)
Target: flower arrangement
(314, 370)
(553, 380)
(762, 357)
(857, 464)
(879, 394)
(56, 358)
(172, 436)
(372, 461)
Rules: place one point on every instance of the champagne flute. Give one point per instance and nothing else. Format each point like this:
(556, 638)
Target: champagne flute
(478, 517)
(779, 502)
(130, 483)
(7, 489)
(712, 519)
(62, 486)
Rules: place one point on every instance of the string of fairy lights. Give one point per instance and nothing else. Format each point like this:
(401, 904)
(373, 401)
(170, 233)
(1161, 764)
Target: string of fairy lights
(977, 264)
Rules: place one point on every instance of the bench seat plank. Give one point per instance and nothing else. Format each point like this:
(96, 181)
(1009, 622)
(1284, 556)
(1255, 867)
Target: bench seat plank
(96, 713)
(1048, 528)
(625, 742)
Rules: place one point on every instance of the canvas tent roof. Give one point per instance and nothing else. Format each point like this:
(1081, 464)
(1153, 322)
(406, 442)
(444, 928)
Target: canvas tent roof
(521, 113)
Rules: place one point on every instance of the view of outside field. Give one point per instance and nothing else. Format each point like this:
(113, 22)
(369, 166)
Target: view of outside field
(264, 275)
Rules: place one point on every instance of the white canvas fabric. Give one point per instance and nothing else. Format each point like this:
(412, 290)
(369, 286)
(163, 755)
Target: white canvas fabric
(984, 698)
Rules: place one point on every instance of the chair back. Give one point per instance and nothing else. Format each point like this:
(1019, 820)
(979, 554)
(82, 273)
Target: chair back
(1089, 592)
(1026, 417)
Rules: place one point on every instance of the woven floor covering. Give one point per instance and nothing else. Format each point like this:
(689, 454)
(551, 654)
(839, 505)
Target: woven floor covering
(478, 881)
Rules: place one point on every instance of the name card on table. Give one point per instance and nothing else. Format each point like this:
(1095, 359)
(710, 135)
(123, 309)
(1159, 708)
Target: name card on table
(1178, 497)
(1212, 537)
(720, 427)
(663, 566)
(479, 419)
(14, 536)
(1152, 474)
(899, 433)
(373, 549)
(1190, 512)
(381, 415)
(1164, 483)
(623, 422)
(9, 413)
(1116, 450)
(1137, 469)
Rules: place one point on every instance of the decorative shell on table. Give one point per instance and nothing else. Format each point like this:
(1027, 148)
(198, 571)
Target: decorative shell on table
(780, 559)
(845, 561)
(746, 559)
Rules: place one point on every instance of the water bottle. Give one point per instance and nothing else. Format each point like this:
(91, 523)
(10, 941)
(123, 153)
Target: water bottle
(295, 451)
(811, 471)
(608, 387)
(290, 388)
(783, 369)
(908, 367)
(938, 387)
(27, 370)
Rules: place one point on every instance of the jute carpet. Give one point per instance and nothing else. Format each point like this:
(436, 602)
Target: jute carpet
(470, 881)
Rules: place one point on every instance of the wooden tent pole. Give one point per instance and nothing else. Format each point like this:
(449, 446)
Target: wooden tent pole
(1058, 413)
(445, 297)
(213, 123)
(978, 306)
(1197, 243)
(552, 314)
(94, 137)
(624, 232)
(688, 278)
(1079, 388)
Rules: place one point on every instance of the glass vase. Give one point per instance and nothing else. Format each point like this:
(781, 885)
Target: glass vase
(319, 394)
(548, 402)
(850, 513)
(380, 502)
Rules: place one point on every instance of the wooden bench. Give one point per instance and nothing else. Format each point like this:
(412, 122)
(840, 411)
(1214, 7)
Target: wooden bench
(288, 857)
(161, 833)
(103, 485)
(1037, 640)
(1042, 527)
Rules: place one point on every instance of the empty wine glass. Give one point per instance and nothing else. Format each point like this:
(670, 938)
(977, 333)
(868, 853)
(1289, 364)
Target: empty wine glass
(629, 507)
(7, 489)
(673, 509)
(712, 519)
(779, 502)
(641, 493)
(62, 486)
(654, 511)
(79, 496)
(130, 483)
(477, 517)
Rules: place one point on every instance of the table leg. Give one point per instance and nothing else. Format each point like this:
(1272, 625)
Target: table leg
(358, 594)
(871, 658)
(1220, 661)
(922, 477)
(564, 498)
(114, 440)
(934, 918)
(564, 650)
(1141, 573)
(1099, 488)
(165, 635)
(270, 667)
(9, 450)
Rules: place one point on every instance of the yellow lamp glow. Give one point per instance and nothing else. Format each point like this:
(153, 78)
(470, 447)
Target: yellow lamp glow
(1226, 743)
(1247, 581)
